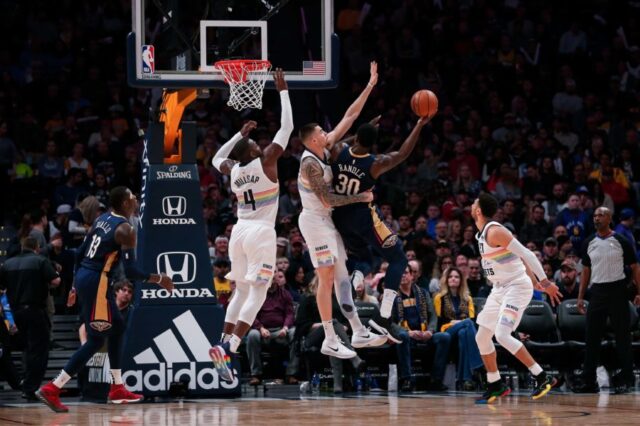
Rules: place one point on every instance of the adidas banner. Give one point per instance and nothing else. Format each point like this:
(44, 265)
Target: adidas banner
(171, 348)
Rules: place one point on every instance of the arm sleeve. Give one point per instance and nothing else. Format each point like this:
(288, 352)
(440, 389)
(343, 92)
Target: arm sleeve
(527, 257)
(131, 268)
(286, 121)
(225, 150)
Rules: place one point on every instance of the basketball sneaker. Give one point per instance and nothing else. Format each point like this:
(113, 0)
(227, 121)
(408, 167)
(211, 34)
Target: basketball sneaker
(222, 361)
(336, 349)
(383, 326)
(367, 339)
(494, 391)
(50, 395)
(118, 394)
(544, 383)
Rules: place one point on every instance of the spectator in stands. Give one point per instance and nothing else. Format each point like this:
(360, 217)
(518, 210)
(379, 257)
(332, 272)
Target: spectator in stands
(283, 247)
(309, 327)
(463, 158)
(536, 229)
(81, 218)
(550, 253)
(362, 296)
(441, 265)
(469, 245)
(68, 193)
(455, 310)
(50, 165)
(416, 322)
(556, 204)
(576, 220)
(60, 224)
(298, 257)
(274, 325)
(477, 283)
(223, 286)
(417, 274)
(462, 263)
(568, 283)
(27, 279)
(290, 204)
(78, 161)
(625, 227)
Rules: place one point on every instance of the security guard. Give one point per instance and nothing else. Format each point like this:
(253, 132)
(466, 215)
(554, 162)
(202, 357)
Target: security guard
(27, 279)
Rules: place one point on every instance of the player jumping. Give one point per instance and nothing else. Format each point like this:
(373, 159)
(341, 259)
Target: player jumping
(110, 238)
(325, 244)
(252, 248)
(361, 225)
(503, 261)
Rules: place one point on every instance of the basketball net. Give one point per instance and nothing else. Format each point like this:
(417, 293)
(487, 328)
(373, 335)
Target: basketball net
(246, 79)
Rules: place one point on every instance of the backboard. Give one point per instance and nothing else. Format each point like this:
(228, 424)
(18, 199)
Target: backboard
(175, 43)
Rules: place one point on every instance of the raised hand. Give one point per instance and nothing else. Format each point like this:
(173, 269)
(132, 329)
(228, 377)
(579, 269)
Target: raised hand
(248, 128)
(376, 121)
(373, 71)
(278, 78)
(166, 282)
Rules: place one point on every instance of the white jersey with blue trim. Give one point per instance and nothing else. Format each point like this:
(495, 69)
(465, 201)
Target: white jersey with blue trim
(499, 264)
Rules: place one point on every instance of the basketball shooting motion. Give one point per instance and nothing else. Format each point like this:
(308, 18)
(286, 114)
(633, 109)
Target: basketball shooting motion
(252, 248)
(111, 238)
(503, 260)
(326, 248)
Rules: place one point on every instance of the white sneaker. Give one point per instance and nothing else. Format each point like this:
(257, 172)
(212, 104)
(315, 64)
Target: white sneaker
(365, 338)
(336, 349)
(357, 278)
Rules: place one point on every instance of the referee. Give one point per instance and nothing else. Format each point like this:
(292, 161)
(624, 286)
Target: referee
(605, 255)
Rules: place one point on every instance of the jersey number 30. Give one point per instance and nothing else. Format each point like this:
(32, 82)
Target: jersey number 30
(93, 247)
(347, 186)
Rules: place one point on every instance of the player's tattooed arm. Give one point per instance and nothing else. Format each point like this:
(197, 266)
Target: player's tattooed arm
(312, 171)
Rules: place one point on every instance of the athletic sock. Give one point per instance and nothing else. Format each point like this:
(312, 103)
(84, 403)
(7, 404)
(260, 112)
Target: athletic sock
(62, 379)
(388, 297)
(234, 343)
(535, 369)
(329, 332)
(224, 338)
(493, 377)
(117, 376)
(356, 278)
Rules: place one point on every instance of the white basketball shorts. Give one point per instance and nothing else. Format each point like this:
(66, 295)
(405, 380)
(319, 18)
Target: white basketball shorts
(506, 305)
(252, 250)
(323, 240)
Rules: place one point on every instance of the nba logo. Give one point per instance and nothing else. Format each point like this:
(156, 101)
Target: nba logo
(148, 61)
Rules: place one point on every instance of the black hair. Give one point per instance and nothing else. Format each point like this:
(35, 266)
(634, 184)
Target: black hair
(367, 135)
(37, 215)
(488, 205)
(241, 149)
(306, 130)
(118, 196)
(29, 243)
(122, 284)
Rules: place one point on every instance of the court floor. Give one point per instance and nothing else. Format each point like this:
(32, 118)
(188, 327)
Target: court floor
(285, 406)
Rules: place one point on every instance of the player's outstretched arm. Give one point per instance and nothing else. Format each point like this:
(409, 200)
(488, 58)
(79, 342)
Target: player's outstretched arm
(312, 172)
(386, 162)
(126, 237)
(355, 109)
(281, 139)
(221, 160)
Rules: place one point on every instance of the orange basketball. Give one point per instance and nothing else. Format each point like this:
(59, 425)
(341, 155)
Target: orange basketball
(424, 103)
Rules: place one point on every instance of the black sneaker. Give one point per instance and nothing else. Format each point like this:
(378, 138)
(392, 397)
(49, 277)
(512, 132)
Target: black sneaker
(586, 387)
(494, 391)
(383, 326)
(437, 386)
(406, 386)
(621, 389)
(544, 383)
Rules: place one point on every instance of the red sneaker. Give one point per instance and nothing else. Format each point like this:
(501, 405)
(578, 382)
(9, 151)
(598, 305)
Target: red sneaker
(118, 394)
(50, 395)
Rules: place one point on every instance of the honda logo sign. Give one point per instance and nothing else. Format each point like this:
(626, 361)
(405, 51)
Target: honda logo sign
(174, 205)
(180, 266)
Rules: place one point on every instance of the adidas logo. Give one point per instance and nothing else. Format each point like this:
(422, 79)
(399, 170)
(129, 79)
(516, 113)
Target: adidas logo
(167, 360)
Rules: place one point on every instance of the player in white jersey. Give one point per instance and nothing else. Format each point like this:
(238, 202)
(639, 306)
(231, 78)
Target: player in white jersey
(323, 240)
(505, 261)
(252, 248)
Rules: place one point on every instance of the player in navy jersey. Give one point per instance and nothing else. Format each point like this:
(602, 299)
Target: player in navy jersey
(110, 240)
(361, 225)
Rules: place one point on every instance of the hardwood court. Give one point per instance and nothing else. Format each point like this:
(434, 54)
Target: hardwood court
(288, 408)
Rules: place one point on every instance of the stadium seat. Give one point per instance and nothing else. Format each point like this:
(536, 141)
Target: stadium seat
(544, 341)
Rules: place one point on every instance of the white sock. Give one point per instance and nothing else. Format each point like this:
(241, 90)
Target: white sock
(356, 325)
(62, 379)
(535, 369)
(356, 278)
(224, 338)
(234, 343)
(493, 377)
(117, 376)
(329, 332)
(388, 297)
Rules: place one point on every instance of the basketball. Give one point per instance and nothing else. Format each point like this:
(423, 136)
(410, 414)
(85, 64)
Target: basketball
(424, 103)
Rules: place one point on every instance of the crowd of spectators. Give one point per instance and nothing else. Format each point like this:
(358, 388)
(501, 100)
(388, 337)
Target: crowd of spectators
(538, 105)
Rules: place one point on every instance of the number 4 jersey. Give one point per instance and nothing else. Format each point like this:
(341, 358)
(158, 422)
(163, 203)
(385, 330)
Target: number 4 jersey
(257, 195)
(102, 251)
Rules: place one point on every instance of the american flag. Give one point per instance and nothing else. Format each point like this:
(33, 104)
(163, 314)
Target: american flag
(313, 67)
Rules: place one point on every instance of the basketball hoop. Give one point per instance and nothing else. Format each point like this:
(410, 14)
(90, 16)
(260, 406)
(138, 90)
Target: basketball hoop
(246, 78)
